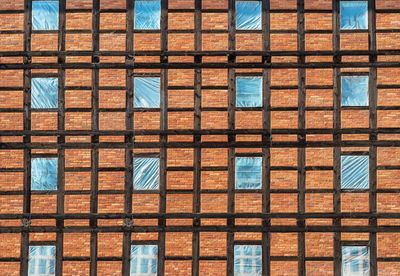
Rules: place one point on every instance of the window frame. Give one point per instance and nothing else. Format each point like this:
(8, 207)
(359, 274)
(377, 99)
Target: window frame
(341, 172)
(355, 244)
(32, 173)
(343, 76)
(33, 16)
(33, 79)
(250, 244)
(153, 156)
(258, 156)
(42, 244)
(259, 104)
(341, 13)
(146, 76)
(259, 22)
(143, 243)
(135, 27)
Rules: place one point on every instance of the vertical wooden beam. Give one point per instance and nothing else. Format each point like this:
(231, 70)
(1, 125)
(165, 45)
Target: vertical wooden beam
(373, 124)
(129, 139)
(197, 140)
(61, 138)
(163, 137)
(336, 137)
(26, 138)
(231, 138)
(301, 138)
(95, 138)
(266, 138)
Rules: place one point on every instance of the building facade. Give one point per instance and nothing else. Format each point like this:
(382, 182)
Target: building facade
(200, 137)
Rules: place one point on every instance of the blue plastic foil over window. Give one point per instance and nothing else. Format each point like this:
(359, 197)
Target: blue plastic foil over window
(355, 261)
(248, 260)
(248, 15)
(146, 173)
(147, 92)
(355, 172)
(45, 15)
(144, 260)
(249, 91)
(44, 174)
(42, 260)
(353, 15)
(147, 15)
(248, 172)
(44, 93)
(355, 91)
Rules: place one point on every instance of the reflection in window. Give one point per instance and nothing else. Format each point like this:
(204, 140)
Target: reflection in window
(354, 15)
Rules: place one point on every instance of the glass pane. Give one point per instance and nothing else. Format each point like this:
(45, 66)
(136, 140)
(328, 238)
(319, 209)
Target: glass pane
(146, 173)
(147, 92)
(355, 91)
(44, 174)
(248, 172)
(249, 91)
(45, 15)
(248, 15)
(147, 15)
(44, 93)
(353, 15)
(355, 172)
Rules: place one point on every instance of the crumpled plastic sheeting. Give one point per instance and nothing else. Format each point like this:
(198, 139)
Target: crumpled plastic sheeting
(355, 91)
(248, 260)
(147, 92)
(248, 15)
(45, 15)
(355, 261)
(44, 93)
(249, 91)
(144, 260)
(353, 15)
(147, 15)
(42, 260)
(355, 172)
(44, 174)
(146, 173)
(248, 172)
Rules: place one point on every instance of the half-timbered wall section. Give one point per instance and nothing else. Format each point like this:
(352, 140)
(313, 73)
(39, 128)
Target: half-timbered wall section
(200, 137)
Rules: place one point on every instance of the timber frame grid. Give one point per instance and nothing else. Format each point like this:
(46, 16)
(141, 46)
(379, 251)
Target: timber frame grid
(266, 144)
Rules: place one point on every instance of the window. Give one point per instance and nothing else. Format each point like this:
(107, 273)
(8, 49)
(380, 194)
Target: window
(42, 260)
(44, 93)
(44, 15)
(144, 260)
(355, 261)
(355, 172)
(248, 172)
(147, 92)
(354, 90)
(44, 174)
(146, 173)
(248, 15)
(353, 15)
(147, 15)
(249, 91)
(247, 260)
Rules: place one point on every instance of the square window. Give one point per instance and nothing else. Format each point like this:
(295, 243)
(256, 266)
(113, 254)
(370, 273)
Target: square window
(248, 172)
(248, 15)
(44, 174)
(42, 260)
(146, 173)
(353, 15)
(354, 91)
(355, 172)
(147, 15)
(249, 91)
(147, 92)
(44, 15)
(355, 261)
(44, 93)
(144, 260)
(248, 260)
